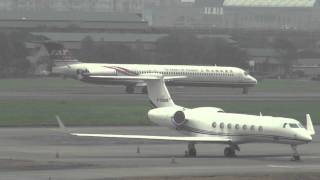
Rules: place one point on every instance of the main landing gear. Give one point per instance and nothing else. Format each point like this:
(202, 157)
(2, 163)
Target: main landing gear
(295, 155)
(130, 89)
(245, 90)
(144, 90)
(231, 151)
(191, 152)
(228, 151)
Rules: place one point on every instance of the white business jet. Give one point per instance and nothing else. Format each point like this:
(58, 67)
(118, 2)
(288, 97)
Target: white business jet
(206, 76)
(213, 125)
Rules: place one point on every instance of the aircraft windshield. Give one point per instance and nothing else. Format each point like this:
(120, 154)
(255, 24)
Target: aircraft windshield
(300, 125)
(293, 125)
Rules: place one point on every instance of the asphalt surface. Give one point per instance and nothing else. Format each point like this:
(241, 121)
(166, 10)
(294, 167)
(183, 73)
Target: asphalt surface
(98, 92)
(42, 153)
(49, 153)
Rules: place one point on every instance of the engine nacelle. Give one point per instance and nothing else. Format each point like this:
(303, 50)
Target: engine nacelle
(179, 118)
(102, 71)
(173, 117)
(82, 73)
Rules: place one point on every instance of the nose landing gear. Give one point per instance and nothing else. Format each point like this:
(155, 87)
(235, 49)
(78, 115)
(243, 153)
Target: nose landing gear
(295, 155)
(130, 89)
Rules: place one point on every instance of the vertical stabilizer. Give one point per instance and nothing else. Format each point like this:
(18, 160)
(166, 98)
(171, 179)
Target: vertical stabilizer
(309, 125)
(158, 93)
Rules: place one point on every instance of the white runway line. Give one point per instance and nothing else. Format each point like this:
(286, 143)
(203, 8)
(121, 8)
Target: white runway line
(280, 166)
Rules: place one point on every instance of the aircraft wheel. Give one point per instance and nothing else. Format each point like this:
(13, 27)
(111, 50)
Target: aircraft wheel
(130, 89)
(245, 90)
(192, 152)
(229, 152)
(144, 90)
(295, 158)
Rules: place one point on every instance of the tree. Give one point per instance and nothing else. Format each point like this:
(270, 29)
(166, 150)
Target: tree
(187, 48)
(13, 54)
(87, 52)
(288, 52)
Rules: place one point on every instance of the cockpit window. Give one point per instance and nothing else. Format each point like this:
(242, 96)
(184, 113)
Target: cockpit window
(300, 125)
(246, 73)
(293, 125)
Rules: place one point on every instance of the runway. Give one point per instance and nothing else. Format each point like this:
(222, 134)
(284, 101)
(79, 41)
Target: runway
(49, 153)
(199, 94)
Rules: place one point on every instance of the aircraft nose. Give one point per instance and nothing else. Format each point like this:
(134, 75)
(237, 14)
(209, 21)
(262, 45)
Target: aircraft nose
(253, 80)
(306, 137)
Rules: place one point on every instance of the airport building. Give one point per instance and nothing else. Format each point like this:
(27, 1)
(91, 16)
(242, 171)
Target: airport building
(240, 14)
(233, 14)
(136, 6)
(41, 19)
(275, 14)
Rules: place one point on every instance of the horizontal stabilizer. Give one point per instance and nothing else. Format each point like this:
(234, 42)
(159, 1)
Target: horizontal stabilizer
(162, 138)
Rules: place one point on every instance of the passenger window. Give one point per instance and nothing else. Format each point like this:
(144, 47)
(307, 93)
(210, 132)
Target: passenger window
(244, 127)
(252, 128)
(222, 125)
(214, 125)
(237, 126)
(229, 126)
(260, 129)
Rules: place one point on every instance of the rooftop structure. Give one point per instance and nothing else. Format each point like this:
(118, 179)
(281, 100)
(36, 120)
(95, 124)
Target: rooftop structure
(270, 3)
(102, 37)
(71, 19)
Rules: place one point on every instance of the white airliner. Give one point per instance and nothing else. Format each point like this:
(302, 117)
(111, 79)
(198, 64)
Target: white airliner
(213, 125)
(215, 76)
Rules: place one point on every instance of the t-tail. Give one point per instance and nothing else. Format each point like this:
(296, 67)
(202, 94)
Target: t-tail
(158, 93)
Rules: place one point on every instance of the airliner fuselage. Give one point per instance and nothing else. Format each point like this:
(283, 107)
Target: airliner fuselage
(212, 76)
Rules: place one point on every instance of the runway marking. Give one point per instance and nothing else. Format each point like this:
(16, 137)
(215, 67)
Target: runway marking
(280, 166)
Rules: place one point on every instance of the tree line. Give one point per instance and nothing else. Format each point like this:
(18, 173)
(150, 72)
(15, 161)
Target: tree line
(176, 48)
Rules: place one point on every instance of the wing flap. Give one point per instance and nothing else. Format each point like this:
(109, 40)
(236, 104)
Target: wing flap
(161, 138)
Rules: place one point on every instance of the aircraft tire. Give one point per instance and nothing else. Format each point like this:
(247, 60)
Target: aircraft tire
(144, 90)
(229, 152)
(129, 89)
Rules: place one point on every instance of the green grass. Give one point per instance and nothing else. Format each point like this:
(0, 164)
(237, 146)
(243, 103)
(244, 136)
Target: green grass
(284, 85)
(34, 83)
(42, 113)
(114, 112)
(95, 113)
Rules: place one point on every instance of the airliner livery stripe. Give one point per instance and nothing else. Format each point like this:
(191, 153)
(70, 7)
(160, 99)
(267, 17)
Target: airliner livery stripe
(212, 133)
(122, 70)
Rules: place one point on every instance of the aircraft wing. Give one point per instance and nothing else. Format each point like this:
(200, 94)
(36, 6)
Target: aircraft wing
(212, 139)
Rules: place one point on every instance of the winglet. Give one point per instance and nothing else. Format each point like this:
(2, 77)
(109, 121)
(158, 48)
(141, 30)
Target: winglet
(309, 125)
(61, 125)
